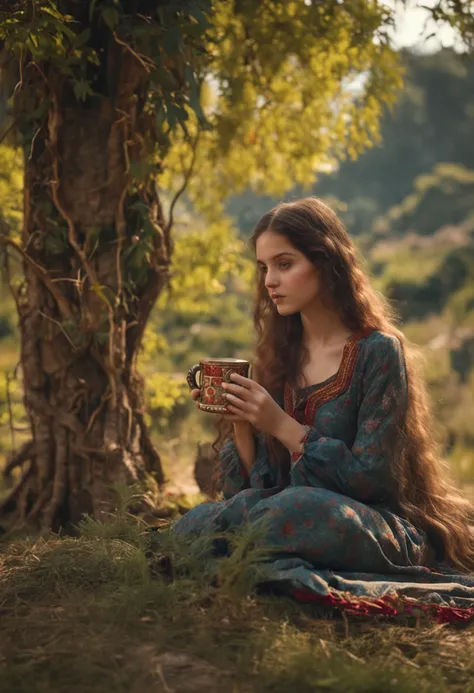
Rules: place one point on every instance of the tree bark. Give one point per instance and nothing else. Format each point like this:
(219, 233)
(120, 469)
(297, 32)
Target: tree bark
(82, 311)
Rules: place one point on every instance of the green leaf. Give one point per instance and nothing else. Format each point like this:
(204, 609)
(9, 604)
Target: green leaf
(172, 40)
(54, 12)
(141, 207)
(193, 29)
(141, 169)
(82, 89)
(163, 79)
(149, 230)
(91, 9)
(194, 99)
(199, 16)
(93, 58)
(111, 17)
(176, 114)
(34, 41)
(139, 259)
(54, 246)
(93, 234)
(82, 38)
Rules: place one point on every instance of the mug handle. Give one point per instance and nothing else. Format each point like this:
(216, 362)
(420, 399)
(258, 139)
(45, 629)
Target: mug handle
(191, 377)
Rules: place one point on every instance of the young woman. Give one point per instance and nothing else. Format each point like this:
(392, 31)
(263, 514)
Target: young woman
(332, 443)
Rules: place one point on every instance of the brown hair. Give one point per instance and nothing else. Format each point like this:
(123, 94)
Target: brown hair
(424, 487)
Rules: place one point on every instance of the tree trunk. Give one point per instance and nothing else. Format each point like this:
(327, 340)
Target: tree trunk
(83, 305)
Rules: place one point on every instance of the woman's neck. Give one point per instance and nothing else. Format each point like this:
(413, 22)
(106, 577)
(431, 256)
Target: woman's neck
(322, 326)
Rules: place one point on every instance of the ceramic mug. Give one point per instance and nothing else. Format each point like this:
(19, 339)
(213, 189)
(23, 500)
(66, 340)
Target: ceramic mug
(213, 373)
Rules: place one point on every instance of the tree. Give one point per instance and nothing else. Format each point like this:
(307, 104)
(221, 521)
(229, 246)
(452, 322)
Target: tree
(459, 14)
(431, 123)
(119, 107)
(442, 197)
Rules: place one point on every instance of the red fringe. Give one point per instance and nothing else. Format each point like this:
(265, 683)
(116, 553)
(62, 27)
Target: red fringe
(386, 606)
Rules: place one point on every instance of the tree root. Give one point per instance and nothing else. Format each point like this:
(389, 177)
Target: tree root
(25, 453)
(40, 502)
(8, 504)
(60, 477)
(152, 458)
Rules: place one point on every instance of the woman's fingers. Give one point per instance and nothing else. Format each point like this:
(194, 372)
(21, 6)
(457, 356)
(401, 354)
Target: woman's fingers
(238, 406)
(239, 391)
(233, 414)
(196, 393)
(234, 418)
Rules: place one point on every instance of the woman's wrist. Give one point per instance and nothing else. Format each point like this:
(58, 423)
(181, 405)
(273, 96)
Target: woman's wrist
(244, 441)
(291, 433)
(242, 426)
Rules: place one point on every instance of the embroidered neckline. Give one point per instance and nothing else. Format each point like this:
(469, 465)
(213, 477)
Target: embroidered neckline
(335, 386)
(323, 383)
(301, 395)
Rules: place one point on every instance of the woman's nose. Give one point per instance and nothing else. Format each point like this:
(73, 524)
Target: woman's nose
(271, 285)
(269, 281)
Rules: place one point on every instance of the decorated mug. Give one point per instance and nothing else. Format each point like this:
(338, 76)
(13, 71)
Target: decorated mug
(213, 373)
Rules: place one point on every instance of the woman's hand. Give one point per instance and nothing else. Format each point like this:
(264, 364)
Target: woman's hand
(252, 403)
(228, 417)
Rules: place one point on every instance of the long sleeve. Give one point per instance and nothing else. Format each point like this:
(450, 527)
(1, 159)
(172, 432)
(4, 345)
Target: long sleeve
(234, 475)
(362, 472)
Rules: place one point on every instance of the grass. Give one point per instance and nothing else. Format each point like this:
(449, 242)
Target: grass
(93, 613)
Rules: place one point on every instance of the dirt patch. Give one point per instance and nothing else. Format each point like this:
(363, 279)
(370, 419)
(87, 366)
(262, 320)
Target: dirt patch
(176, 672)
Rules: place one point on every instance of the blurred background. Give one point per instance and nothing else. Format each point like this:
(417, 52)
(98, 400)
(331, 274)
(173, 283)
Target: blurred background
(408, 203)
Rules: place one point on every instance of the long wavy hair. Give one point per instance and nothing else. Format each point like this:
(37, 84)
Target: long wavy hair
(423, 483)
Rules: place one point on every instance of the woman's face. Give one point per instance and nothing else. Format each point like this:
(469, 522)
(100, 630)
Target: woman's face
(287, 273)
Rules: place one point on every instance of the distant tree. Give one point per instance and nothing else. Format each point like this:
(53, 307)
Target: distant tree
(431, 123)
(442, 197)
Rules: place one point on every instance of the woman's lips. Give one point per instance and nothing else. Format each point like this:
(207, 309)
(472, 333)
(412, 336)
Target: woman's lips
(276, 299)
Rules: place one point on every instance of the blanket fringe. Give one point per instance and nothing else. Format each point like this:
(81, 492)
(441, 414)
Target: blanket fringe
(386, 606)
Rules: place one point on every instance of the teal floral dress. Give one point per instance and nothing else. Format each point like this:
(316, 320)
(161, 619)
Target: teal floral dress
(333, 524)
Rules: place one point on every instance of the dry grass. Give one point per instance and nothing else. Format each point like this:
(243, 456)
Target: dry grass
(93, 614)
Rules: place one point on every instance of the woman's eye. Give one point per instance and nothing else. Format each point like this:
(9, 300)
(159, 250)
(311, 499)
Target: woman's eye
(283, 265)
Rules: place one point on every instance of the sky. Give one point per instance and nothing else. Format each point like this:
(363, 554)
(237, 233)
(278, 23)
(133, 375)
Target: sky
(410, 27)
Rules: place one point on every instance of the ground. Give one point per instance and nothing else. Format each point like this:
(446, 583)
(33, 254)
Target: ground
(96, 613)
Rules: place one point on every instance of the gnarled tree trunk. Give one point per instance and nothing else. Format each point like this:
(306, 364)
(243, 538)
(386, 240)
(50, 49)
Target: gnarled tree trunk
(85, 302)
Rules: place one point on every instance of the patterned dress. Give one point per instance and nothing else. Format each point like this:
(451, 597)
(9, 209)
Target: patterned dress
(335, 530)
